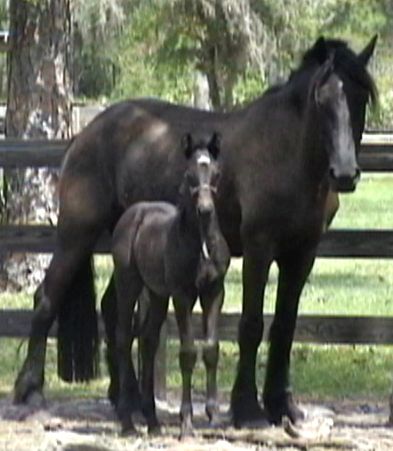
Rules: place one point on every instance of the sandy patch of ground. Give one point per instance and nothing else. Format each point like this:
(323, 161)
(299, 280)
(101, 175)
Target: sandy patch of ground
(90, 425)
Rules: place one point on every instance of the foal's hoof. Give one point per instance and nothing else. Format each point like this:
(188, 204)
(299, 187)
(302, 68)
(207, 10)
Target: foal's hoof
(212, 412)
(282, 405)
(154, 430)
(187, 433)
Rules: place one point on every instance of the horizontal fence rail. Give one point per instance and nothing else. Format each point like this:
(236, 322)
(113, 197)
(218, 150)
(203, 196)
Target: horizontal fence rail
(309, 329)
(338, 243)
(376, 153)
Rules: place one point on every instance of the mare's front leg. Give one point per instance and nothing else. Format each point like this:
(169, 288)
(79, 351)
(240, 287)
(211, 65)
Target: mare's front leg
(211, 301)
(294, 269)
(257, 259)
(187, 359)
(150, 339)
(128, 287)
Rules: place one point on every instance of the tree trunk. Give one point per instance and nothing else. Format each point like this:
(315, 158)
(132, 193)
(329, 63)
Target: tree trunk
(38, 106)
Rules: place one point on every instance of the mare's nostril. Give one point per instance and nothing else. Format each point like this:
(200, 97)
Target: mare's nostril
(332, 174)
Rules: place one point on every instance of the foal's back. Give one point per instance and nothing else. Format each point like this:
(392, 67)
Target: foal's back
(140, 239)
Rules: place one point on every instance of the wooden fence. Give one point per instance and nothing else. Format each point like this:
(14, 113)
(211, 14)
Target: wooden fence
(376, 156)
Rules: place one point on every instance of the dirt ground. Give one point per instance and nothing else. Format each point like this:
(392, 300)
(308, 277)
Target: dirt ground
(90, 425)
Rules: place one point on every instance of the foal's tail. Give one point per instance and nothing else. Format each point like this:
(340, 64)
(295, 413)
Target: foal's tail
(77, 335)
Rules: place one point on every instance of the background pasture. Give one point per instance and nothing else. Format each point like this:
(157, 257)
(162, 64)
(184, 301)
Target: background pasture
(336, 286)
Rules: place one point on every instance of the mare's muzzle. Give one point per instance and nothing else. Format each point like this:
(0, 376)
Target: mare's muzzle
(343, 182)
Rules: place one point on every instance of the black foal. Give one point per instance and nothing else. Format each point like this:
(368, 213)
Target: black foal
(179, 252)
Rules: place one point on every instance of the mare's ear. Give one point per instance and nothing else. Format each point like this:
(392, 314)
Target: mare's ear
(365, 55)
(322, 76)
(320, 49)
(214, 145)
(186, 143)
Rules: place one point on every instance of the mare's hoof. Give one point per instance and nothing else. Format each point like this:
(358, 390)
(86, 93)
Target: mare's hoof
(255, 422)
(247, 413)
(29, 395)
(28, 390)
(113, 395)
(128, 429)
(280, 406)
(36, 400)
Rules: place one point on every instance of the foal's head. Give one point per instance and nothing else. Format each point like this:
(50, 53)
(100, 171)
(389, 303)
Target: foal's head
(202, 177)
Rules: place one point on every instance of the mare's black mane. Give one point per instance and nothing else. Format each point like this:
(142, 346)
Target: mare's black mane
(344, 58)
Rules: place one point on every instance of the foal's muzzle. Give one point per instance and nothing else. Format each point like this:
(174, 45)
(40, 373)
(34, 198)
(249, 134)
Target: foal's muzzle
(343, 182)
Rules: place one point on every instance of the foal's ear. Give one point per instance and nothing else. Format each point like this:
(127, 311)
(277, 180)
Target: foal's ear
(186, 144)
(214, 145)
(365, 55)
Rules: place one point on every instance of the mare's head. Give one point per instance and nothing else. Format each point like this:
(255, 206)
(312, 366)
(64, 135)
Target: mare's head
(341, 89)
(202, 177)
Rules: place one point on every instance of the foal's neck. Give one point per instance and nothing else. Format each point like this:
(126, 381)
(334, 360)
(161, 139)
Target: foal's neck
(190, 231)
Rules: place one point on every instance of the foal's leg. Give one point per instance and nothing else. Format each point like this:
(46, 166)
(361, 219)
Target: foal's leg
(293, 272)
(187, 359)
(48, 298)
(150, 339)
(128, 287)
(244, 401)
(211, 302)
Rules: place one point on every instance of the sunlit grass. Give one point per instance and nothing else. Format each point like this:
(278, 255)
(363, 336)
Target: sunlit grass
(320, 372)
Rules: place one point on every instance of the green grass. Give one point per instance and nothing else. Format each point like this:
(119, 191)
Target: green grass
(336, 286)
(320, 372)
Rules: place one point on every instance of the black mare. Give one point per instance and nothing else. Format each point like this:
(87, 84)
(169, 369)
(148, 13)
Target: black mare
(279, 155)
(179, 252)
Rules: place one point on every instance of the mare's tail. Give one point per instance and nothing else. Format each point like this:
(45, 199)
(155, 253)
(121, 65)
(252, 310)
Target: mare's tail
(77, 334)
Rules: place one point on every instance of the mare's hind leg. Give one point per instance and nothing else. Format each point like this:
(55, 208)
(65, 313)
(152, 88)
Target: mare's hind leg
(150, 338)
(48, 299)
(187, 359)
(128, 287)
(293, 272)
(109, 315)
(211, 302)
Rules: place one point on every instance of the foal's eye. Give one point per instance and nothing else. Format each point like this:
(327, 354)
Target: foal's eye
(194, 190)
(215, 179)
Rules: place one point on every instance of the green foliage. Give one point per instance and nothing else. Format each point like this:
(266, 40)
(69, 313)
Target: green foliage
(144, 71)
(152, 48)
